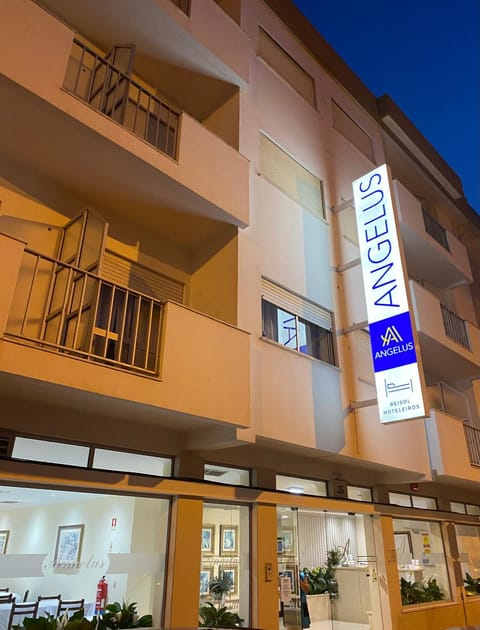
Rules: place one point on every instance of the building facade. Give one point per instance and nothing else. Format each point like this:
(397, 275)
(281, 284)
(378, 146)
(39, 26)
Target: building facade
(186, 382)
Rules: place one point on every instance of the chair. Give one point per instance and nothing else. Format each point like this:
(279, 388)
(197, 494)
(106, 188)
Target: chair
(4, 590)
(25, 595)
(67, 606)
(22, 610)
(52, 597)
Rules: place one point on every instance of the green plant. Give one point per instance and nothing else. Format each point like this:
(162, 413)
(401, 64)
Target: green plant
(472, 585)
(322, 579)
(213, 617)
(219, 586)
(420, 592)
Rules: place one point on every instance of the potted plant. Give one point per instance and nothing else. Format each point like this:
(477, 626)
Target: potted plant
(219, 586)
(323, 587)
(213, 617)
(420, 592)
(472, 585)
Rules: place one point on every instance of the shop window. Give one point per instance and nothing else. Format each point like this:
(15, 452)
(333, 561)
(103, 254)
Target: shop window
(226, 475)
(297, 323)
(286, 67)
(50, 452)
(132, 463)
(424, 503)
(299, 485)
(224, 579)
(358, 493)
(62, 542)
(421, 562)
(468, 541)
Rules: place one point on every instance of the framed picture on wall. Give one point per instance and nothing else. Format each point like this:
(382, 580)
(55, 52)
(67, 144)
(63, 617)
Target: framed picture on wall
(287, 541)
(208, 539)
(205, 577)
(228, 540)
(403, 543)
(232, 572)
(69, 544)
(4, 534)
(289, 573)
(293, 572)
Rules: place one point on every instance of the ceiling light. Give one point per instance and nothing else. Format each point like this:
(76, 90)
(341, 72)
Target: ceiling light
(296, 489)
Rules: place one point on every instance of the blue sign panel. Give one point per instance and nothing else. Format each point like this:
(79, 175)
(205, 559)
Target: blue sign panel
(392, 342)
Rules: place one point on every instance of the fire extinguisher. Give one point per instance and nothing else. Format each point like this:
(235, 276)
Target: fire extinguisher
(101, 598)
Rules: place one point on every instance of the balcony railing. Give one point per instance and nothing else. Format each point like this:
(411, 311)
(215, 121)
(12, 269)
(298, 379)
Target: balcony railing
(472, 435)
(455, 327)
(106, 88)
(436, 231)
(443, 397)
(70, 310)
(183, 5)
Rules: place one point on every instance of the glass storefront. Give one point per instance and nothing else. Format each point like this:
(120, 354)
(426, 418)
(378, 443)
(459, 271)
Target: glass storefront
(225, 574)
(327, 570)
(421, 561)
(468, 540)
(63, 543)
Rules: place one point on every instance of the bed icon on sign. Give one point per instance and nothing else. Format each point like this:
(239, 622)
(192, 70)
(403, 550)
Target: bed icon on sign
(391, 387)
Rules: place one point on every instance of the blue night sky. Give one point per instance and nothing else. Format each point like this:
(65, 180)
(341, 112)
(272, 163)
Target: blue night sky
(426, 55)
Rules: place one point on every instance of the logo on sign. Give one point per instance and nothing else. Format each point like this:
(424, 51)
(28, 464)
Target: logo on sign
(390, 335)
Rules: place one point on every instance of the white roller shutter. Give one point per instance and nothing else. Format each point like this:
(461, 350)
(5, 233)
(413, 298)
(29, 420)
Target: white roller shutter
(130, 274)
(296, 305)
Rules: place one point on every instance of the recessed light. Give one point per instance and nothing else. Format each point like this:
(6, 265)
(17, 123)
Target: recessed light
(296, 489)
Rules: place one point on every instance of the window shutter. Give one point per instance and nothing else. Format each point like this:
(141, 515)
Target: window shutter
(296, 305)
(130, 274)
(291, 177)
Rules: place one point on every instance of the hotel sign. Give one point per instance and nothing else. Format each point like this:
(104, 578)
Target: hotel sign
(397, 377)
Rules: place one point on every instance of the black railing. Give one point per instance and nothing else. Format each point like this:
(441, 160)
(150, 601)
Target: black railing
(107, 89)
(436, 231)
(455, 327)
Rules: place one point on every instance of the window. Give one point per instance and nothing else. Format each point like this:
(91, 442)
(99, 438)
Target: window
(296, 323)
(286, 67)
(291, 177)
(298, 485)
(468, 539)
(352, 132)
(408, 500)
(226, 475)
(358, 493)
(465, 508)
(421, 563)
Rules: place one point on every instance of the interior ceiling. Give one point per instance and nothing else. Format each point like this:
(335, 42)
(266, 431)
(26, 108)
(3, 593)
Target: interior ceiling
(166, 55)
(14, 498)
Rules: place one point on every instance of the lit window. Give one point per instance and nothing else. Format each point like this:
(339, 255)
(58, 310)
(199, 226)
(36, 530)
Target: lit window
(226, 475)
(50, 452)
(357, 493)
(132, 462)
(298, 485)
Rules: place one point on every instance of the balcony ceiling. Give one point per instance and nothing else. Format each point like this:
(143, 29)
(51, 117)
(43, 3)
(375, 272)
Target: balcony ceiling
(166, 55)
(38, 142)
(443, 364)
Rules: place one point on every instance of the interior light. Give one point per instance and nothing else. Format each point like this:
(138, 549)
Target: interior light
(296, 489)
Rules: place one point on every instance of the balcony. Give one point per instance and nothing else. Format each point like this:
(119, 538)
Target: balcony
(68, 334)
(83, 148)
(432, 253)
(450, 346)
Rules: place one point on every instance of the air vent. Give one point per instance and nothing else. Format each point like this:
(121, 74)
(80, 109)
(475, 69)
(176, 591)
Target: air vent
(214, 472)
(10, 502)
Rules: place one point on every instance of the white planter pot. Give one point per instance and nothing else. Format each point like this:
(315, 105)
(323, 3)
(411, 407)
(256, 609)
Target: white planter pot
(319, 607)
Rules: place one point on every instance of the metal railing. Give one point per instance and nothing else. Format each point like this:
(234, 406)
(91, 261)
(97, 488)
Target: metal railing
(183, 5)
(436, 231)
(70, 310)
(107, 89)
(455, 327)
(472, 435)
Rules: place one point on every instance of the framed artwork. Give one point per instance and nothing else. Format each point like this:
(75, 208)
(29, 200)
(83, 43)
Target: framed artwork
(293, 572)
(232, 572)
(287, 541)
(4, 533)
(403, 543)
(205, 577)
(69, 544)
(228, 540)
(208, 539)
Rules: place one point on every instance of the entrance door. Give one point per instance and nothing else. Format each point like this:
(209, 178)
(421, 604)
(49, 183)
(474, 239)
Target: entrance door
(73, 292)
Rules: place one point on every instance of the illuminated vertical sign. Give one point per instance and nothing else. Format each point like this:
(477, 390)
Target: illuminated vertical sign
(397, 377)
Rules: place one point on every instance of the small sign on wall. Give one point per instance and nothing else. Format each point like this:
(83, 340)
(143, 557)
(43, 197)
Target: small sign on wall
(114, 523)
